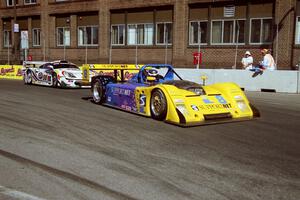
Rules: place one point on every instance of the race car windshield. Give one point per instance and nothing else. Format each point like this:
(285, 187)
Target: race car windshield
(68, 66)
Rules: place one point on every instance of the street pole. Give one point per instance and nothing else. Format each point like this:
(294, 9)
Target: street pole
(110, 46)
(44, 43)
(166, 41)
(26, 48)
(276, 59)
(236, 44)
(199, 44)
(64, 39)
(8, 50)
(136, 47)
(86, 50)
(277, 36)
(25, 54)
(15, 34)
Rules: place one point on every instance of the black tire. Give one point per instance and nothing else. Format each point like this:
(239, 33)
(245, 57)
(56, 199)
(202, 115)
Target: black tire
(158, 105)
(28, 78)
(54, 80)
(98, 92)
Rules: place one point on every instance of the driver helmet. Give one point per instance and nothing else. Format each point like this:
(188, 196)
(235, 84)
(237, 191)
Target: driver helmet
(152, 72)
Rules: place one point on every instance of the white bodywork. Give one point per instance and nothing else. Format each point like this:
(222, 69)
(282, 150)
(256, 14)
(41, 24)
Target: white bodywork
(55, 74)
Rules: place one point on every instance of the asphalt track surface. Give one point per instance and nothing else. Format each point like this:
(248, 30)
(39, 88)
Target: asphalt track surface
(56, 144)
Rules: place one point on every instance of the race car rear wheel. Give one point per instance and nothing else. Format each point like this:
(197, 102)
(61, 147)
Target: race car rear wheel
(28, 78)
(54, 80)
(158, 105)
(98, 94)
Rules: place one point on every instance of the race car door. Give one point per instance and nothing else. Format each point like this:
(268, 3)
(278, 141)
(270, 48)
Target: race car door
(43, 75)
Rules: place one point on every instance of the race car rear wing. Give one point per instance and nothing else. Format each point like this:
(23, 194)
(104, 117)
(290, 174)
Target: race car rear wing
(34, 64)
(118, 71)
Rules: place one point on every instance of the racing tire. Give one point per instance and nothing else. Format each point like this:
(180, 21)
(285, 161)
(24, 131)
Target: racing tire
(54, 80)
(98, 92)
(158, 105)
(28, 78)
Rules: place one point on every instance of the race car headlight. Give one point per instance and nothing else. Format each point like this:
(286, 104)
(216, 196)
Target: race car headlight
(68, 74)
(238, 97)
(182, 109)
(195, 108)
(242, 105)
(177, 101)
(197, 91)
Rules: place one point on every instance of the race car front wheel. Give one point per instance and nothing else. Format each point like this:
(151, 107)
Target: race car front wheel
(54, 80)
(158, 105)
(98, 94)
(28, 78)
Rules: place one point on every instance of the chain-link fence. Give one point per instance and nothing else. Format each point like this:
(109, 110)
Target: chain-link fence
(8, 56)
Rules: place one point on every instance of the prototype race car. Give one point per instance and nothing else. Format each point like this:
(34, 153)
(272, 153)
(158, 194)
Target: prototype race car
(56, 74)
(157, 91)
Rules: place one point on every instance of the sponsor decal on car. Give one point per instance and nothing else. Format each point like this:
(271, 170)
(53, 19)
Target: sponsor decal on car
(215, 106)
(122, 91)
(40, 76)
(206, 100)
(142, 103)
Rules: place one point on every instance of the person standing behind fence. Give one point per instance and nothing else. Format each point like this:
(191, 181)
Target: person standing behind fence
(247, 61)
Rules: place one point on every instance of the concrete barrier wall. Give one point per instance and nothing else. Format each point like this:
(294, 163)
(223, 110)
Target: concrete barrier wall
(298, 90)
(279, 81)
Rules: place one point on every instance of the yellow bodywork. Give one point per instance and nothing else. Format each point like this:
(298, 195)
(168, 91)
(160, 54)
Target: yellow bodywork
(219, 102)
(216, 103)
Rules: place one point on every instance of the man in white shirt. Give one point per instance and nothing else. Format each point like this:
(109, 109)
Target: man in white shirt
(247, 61)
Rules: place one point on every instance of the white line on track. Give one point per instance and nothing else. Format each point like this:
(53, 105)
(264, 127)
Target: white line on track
(17, 195)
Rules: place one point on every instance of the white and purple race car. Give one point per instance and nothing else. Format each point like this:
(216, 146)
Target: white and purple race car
(55, 74)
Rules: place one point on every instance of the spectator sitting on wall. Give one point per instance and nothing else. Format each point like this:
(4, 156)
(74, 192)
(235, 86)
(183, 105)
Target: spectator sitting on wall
(267, 63)
(247, 61)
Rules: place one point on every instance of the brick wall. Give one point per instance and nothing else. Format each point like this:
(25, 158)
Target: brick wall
(179, 54)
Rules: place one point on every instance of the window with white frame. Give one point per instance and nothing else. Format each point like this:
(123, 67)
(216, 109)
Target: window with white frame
(63, 36)
(197, 32)
(36, 37)
(140, 34)
(227, 31)
(10, 2)
(164, 33)
(6, 38)
(118, 34)
(261, 30)
(87, 35)
(297, 35)
(29, 2)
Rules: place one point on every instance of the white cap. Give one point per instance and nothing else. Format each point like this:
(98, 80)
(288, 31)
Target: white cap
(247, 53)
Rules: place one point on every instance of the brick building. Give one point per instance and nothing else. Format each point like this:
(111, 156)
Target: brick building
(153, 31)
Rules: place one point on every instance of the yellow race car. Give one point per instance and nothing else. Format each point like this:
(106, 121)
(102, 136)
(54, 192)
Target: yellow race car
(157, 91)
